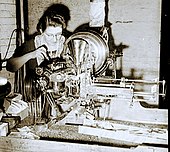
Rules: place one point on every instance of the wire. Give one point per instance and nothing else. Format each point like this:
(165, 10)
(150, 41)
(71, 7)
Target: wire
(9, 44)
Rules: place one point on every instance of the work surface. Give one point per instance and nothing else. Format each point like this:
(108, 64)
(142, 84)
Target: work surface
(91, 136)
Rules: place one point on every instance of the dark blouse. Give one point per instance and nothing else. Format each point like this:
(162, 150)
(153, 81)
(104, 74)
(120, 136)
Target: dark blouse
(26, 47)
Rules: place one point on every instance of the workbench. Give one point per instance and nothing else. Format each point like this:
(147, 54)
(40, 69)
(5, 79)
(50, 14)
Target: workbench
(71, 137)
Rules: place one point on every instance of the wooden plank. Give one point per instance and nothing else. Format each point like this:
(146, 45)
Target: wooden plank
(26, 145)
(127, 133)
(126, 110)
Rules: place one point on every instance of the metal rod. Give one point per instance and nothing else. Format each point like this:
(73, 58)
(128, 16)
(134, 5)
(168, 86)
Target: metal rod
(131, 80)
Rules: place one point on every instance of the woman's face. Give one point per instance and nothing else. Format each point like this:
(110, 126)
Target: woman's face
(53, 34)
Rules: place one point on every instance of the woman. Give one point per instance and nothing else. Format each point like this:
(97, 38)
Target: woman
(48, 43)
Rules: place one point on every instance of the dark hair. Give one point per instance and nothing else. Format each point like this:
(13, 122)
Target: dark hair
(50, 20)
(56, 14)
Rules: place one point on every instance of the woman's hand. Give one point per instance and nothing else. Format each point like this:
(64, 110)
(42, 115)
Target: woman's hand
(40, 53)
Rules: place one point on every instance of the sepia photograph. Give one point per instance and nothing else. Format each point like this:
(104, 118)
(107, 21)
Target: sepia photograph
(84, 75)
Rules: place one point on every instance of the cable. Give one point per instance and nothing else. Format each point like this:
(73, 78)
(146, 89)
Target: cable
(10, 42)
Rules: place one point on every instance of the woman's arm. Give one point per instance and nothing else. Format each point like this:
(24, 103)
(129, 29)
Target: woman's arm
(15, 63)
